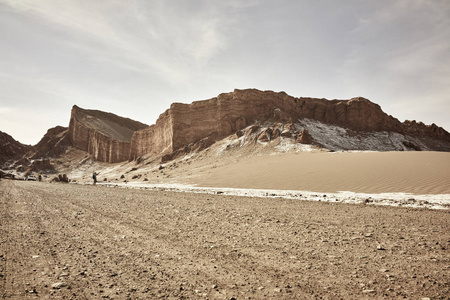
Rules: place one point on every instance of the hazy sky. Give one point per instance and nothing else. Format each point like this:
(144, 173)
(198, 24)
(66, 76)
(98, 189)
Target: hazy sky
(135, 57)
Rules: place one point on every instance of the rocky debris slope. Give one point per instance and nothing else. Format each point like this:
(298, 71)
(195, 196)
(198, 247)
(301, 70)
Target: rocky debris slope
(104, 135)
(10, 149)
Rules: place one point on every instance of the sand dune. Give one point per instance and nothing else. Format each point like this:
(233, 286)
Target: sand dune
(361, 172)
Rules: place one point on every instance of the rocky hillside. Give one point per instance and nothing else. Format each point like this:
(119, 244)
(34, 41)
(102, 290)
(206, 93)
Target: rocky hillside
(10, 149)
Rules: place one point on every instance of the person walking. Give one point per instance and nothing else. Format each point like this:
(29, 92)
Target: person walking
(94, 177)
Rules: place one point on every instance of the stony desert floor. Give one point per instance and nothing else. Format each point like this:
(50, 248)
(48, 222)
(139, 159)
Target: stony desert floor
(69, 241)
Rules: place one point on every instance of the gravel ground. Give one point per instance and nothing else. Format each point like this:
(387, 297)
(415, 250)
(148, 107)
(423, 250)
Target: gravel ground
(68, 241)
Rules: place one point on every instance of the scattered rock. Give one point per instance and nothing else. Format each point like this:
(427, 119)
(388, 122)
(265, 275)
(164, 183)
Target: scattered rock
(265, 135)
(304, 137)
(63, 178)
(59, 285)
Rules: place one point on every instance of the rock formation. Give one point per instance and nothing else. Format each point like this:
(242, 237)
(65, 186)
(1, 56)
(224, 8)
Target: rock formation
(216, 118)
(250, 115)
(104, 135)
(304, 137)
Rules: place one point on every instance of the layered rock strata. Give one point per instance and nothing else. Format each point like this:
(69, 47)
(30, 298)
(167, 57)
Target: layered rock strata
(184, 128)
(216, 118)
(104, 135)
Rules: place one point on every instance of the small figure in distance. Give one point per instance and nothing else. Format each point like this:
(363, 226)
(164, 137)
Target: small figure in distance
(39, 177)
(94, 177)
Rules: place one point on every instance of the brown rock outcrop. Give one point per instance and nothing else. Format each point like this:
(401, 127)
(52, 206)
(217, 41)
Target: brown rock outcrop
(304, 137)
(104, 135)
(265, 135)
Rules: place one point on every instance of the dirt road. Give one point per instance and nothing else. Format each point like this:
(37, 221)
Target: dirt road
(67, 241)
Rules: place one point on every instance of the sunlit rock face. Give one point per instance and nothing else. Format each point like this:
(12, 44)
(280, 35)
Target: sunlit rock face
(104, 135)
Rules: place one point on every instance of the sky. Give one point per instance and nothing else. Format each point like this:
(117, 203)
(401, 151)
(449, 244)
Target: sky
(135, 57)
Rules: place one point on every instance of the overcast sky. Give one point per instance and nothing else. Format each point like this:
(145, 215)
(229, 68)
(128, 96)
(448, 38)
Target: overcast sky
(135, 57)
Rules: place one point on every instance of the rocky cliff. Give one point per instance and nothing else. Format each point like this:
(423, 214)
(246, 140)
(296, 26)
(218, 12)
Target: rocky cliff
(104, 135)
(187, 124)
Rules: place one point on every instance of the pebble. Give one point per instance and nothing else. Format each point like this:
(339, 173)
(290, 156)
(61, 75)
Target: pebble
(58, 285)
(368, 291)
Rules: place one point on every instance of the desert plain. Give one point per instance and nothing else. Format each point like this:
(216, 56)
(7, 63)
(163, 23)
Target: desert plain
(116, 241)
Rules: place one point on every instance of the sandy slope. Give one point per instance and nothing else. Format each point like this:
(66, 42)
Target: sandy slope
(363, 172)
(115, 243)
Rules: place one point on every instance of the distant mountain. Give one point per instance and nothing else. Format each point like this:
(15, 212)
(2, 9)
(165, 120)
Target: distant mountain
(10, 149)
(242, 117)
(54, 143)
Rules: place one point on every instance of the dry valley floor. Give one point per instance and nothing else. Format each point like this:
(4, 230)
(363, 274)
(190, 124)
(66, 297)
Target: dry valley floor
(68, 241)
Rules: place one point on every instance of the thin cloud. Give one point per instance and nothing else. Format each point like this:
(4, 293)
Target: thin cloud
(124, 54)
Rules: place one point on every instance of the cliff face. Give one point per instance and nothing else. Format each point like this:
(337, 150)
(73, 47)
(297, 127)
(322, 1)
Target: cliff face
(155, 139)
(216, 118)
(104, 135)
